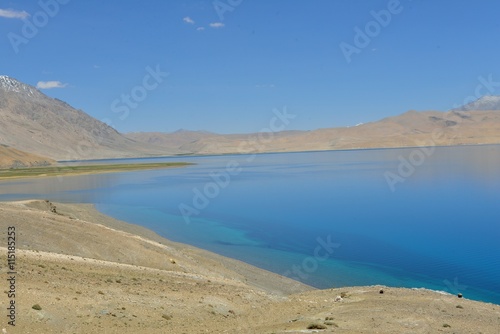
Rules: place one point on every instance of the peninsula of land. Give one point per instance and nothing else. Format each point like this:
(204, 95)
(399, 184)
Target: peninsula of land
(67, 170)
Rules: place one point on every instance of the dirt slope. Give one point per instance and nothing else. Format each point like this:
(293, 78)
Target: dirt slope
(12, 158)
(93, 274)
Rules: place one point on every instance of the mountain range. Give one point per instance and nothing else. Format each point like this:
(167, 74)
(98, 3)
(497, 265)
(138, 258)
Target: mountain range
(37, 130)
(33, 122)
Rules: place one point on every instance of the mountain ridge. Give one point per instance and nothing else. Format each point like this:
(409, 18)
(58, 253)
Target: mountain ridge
(38, 124)
(410, 129)
(43, 126)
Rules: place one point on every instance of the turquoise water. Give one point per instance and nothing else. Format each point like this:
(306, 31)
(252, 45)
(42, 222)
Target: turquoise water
(328, 219)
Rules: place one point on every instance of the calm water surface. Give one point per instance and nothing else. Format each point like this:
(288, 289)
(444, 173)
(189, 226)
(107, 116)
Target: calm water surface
(437, 227)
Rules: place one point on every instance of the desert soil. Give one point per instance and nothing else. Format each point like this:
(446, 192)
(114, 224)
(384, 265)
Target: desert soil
(90, 273)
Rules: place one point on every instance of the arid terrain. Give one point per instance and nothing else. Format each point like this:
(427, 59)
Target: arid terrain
(46, 127)
(79, 271)
(12, 158)
(411, 129)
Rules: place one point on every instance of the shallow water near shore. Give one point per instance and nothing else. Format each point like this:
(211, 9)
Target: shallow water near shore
(399, 217)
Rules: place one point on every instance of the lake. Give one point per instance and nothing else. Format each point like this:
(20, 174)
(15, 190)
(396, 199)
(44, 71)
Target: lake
(416, 217)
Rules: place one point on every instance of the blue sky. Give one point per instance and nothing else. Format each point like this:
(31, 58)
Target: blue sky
(231, 64)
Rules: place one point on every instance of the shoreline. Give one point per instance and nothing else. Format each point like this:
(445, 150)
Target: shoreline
(236, 153)
(260, 277)
(89, 215)
(61, 171)
(85, 271)
(95, 169)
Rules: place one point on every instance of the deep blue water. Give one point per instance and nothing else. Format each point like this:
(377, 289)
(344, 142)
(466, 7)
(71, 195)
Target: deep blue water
(438, 227)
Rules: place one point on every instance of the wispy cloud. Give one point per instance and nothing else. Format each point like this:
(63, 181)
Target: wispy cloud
(13, 14)
(216, 25)
(271, 86)
(189, 20)
(200, 28)
(50, 84)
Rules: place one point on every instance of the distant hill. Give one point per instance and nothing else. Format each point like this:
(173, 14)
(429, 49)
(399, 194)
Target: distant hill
(178, 140)
(36, 123)
(406, 130)
(202, 142)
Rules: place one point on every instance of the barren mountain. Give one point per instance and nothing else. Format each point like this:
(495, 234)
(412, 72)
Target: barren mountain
(33, 122)
(201, 142)
(429, 128)
(177, 140)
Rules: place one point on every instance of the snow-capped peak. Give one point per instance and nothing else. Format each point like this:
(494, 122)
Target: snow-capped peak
(487, 102)
(489, 99)
(9, 84)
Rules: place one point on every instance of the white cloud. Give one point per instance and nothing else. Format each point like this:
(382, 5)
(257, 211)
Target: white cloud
(200, 28)
(217, 25)
(13, 14)
(270, 86)
(189, 20)
(50, 84)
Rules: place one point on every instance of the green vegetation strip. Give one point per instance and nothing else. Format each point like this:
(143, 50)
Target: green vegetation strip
(84, 169)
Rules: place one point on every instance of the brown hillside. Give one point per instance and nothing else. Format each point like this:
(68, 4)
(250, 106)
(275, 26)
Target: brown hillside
(12, 158)
(430, 128)
(84, 272)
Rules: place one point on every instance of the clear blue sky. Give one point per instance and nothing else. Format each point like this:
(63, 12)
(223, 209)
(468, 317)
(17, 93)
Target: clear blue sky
(227, 73)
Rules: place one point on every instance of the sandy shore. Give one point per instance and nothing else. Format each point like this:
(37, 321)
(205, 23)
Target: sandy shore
(90, 273)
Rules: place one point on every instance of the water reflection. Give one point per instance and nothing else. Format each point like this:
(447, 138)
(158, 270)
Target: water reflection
(479, 164)
(68, 189)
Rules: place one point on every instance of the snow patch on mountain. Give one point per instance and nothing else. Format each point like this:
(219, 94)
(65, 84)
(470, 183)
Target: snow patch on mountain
(488, 102)
(9, 84)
